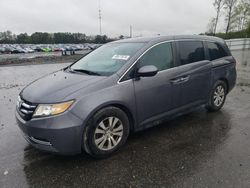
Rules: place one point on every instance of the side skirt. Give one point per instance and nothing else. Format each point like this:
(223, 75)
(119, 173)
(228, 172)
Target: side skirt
(172, 114)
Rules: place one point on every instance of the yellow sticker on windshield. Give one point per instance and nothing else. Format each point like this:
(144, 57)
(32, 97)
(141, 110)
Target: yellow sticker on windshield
(121, 57)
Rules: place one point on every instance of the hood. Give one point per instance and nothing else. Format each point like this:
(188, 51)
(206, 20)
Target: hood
(55, 87)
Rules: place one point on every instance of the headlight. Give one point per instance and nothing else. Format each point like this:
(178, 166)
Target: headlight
(52, 109)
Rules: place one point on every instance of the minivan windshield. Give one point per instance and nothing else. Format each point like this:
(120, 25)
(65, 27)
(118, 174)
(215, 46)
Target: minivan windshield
(107, 59)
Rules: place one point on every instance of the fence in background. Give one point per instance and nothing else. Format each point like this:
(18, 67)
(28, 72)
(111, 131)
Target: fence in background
(239, 44)
(240, 49)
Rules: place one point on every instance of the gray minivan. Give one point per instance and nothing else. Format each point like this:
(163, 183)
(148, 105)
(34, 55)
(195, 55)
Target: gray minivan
(123, 87)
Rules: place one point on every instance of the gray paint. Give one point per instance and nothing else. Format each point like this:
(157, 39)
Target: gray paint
(147, 100)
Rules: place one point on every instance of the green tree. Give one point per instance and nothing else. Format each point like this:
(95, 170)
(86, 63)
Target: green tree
(7, 37)
(104, 39)
(248, 31)
(23, 38)
(79, 38)
(41, 38)
(50, 38)
(98, 39)
(58, 38)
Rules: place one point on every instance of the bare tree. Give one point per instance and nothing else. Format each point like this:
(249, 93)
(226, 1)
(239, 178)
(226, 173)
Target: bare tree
(218, 4)
(229, 8)
(211, 26)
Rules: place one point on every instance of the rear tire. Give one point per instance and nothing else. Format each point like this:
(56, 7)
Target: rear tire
(217, 97)
(106, 132)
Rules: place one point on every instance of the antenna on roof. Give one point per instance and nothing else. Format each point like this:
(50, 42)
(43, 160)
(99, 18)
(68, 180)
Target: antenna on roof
(100, 16)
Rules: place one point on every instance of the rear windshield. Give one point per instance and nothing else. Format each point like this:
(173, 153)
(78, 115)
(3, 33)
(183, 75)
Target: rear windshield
(107, 59)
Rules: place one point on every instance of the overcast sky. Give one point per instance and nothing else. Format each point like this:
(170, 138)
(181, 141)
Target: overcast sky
(147, 17)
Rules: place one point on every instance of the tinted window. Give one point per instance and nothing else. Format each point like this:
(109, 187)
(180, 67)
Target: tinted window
(160, 56)
(215, 51)
(191, 51)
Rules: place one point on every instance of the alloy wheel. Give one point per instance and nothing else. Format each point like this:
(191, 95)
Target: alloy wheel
(108, 133)
(219, 95)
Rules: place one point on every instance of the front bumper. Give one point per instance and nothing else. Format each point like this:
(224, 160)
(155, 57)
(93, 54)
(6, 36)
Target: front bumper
(60, 134)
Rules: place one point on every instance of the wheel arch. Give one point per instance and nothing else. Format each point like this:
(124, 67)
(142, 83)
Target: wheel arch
(119, 105)
(226, 82)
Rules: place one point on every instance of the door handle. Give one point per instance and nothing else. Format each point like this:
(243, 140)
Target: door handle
(179, 80)
(175, 80)
(184, 79)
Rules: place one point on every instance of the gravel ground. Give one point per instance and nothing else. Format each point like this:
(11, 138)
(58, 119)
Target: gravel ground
(200, 149)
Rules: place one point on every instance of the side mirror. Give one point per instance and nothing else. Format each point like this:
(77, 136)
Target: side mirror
(147, 71)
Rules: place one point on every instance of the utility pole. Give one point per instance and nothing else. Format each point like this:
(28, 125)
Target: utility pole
(131, 34)
(100, 17)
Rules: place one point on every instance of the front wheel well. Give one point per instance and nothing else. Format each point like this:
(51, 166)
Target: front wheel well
(124, 109)
(128, 113)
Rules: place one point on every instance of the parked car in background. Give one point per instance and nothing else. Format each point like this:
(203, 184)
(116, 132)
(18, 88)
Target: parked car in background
(2, 49)
(31, 48)
(9, 49)
(123, 87)
(28, 50)
(46, 49)
(18, 50)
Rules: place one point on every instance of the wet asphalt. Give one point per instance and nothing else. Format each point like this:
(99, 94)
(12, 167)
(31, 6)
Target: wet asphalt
(200, 149)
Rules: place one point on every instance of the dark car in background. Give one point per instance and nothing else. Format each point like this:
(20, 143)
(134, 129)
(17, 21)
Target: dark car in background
(123, 87)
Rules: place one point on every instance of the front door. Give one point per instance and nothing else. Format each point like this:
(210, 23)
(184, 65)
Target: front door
(156, 95)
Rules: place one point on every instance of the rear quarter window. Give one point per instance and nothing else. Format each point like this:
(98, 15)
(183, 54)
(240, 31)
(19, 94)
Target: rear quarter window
(191, 51)
(216, 51)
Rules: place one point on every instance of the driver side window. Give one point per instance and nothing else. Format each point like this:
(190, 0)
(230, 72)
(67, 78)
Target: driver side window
(160, 56)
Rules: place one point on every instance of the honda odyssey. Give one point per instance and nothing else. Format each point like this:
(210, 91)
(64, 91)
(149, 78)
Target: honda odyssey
(123, 87)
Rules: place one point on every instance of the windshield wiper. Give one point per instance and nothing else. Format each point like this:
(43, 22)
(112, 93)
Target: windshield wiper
(84, 71)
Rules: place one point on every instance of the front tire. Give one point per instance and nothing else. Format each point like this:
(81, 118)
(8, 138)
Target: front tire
(106, 132)
(217, 97)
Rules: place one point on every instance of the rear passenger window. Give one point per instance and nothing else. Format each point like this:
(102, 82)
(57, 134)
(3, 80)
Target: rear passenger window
(215, 51)
(160, 56)
(191, 51)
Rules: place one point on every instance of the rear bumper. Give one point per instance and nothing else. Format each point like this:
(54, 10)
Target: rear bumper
(60, 134)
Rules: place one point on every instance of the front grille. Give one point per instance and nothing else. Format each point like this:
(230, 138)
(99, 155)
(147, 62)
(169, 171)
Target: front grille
(25, 109)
